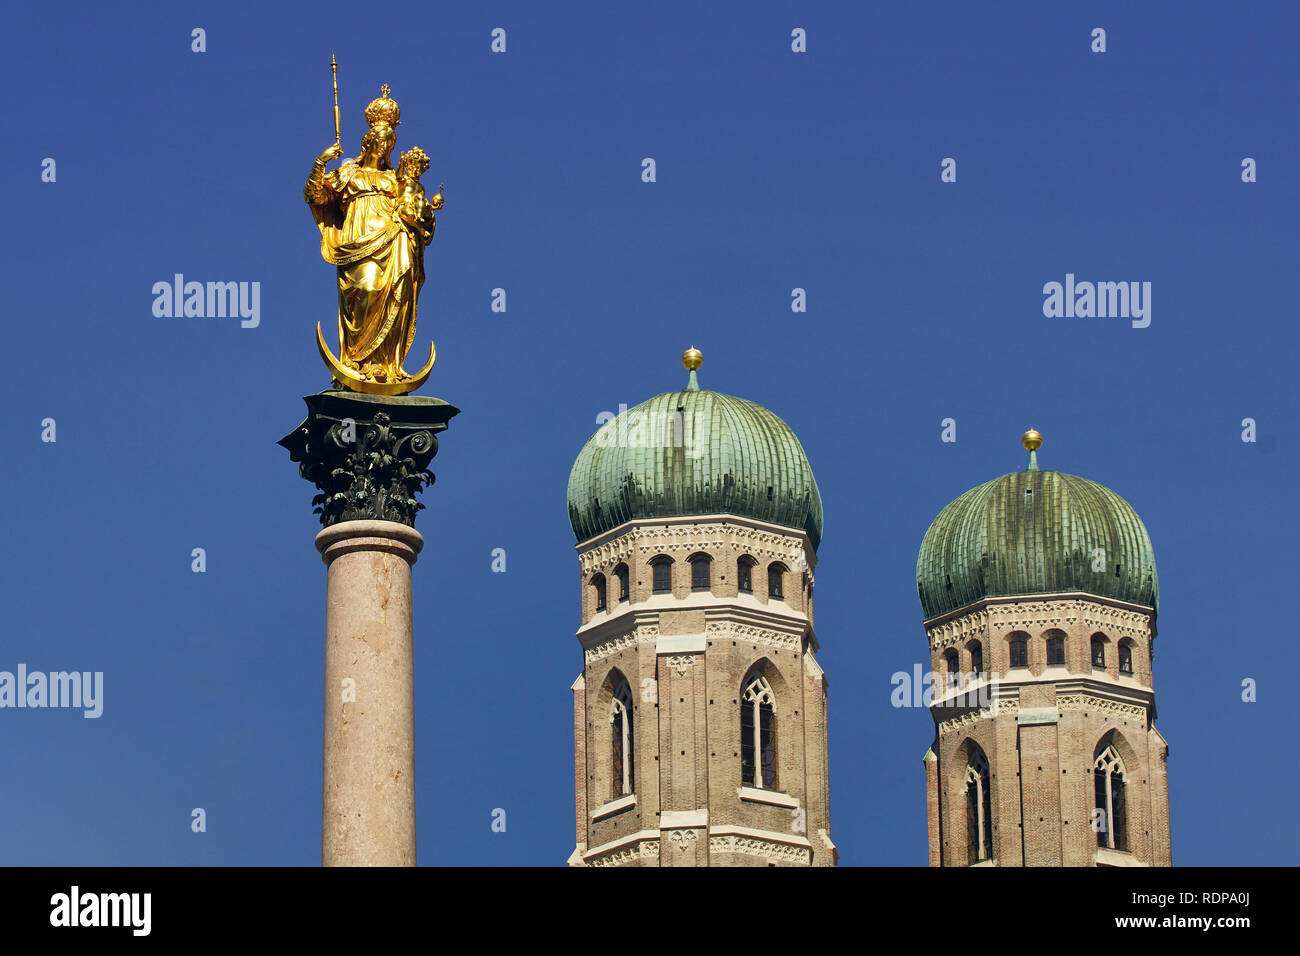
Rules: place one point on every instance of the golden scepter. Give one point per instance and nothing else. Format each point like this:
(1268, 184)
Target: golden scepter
(334, 69)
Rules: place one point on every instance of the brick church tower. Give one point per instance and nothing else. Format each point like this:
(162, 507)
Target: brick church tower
(1039, 596)
(699, 717)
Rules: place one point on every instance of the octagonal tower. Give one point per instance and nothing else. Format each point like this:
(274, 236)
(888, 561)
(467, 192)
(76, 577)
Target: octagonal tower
(1039, 595)
(700, 713)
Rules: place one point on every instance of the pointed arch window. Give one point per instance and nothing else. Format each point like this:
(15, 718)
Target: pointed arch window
(621, 573)
(977, 658)
(622, 776)
(745, 574)
(979, 809)
(1112, 812)
(758, 734)
(700, 566)
(598, 582)
(661, 569)
(1099, 651)
(775, 571)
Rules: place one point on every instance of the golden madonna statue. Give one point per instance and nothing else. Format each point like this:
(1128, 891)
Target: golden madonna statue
(374, 224)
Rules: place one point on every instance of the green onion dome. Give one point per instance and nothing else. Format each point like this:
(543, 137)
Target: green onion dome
(1035, 532)
(693, 452)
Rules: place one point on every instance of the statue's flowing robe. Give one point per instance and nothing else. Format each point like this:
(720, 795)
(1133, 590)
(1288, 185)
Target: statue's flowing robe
(380, 265)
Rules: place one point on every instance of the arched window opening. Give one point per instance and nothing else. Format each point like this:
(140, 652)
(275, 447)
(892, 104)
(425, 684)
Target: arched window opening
(700, 565)
(1111, 818)
(774, 580)
(745, 575)
(598, 582)
(951, 666)
(622, 778)
(1019, 648)
(624, 577)
(662, 574)
(1126, 657)
(1055, 648)
(758, 734)
(977, 658)
(1098, 651)
(979, 809)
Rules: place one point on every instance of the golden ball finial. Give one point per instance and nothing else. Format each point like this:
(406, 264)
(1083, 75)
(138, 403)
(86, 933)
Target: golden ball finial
(692, 358)
(1031, 440)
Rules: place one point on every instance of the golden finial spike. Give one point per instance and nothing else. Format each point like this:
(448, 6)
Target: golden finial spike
(1031, 440)
(692, 358)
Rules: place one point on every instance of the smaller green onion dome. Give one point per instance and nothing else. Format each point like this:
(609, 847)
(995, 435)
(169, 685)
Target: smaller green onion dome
(1035, 532)
(724, 455)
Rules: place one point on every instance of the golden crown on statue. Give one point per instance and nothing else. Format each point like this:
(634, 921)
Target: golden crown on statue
(383, 110)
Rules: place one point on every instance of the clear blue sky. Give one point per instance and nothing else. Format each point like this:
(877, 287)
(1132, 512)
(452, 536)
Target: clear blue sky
(775, 171)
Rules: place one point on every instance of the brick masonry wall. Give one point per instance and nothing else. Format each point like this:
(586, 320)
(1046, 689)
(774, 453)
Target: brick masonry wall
(1054, 718)
(687, 714)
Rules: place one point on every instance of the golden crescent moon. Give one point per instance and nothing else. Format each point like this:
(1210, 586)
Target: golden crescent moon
(356, 383)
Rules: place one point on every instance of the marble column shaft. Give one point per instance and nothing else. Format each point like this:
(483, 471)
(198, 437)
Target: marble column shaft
(369, 767)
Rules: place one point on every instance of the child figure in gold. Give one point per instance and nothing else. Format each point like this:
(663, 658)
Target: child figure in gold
(413, 207)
